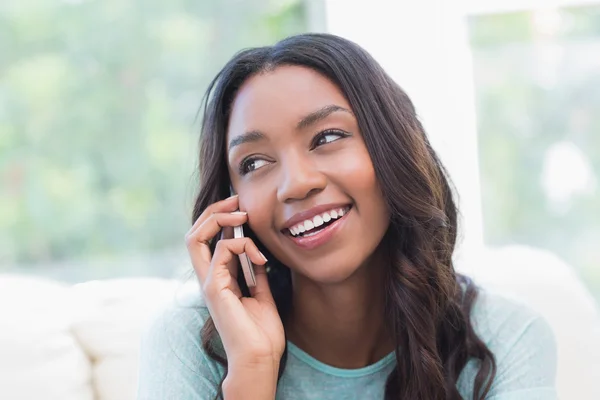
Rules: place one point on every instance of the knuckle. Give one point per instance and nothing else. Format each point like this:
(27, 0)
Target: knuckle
(210, 218)
(222, 275)
(248, 243)
(215, 218)
(221, 245)
(210, 209)
(192, 239)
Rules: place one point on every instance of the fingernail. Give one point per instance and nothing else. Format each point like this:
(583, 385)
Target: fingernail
(263, 256)
(231, 197)
(239, 213)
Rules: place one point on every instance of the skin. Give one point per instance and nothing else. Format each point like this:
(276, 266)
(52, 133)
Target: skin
(338, 302)
(336, 316)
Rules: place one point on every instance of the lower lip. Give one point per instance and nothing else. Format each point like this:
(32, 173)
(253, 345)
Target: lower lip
(322, 237)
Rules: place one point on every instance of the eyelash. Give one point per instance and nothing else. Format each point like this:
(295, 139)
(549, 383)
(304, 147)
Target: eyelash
(243, 168)
(327, 132)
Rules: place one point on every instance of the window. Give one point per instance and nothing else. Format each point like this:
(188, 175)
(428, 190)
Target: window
(537, 80)
(98, 136)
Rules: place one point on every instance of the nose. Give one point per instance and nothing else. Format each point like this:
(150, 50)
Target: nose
(301, 178)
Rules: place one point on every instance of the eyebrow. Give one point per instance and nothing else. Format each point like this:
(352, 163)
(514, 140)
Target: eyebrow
(319, 115)
(305, 122)
(248, 137)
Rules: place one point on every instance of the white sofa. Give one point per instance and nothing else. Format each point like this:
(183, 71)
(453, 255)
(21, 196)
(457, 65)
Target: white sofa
(60, 342)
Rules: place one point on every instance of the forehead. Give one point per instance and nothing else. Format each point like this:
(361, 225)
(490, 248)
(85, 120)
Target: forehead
(276, 99)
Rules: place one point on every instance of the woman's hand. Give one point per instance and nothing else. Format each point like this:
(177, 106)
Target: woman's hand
(250, 327)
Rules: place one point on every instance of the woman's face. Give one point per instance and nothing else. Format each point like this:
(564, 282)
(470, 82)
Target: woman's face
(303, 174)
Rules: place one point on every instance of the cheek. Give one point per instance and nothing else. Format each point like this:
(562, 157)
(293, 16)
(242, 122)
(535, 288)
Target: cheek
(360, 180)
(357, 172)
(259, 211)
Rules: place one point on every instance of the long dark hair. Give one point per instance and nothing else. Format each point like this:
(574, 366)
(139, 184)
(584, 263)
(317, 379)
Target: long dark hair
(428, 304)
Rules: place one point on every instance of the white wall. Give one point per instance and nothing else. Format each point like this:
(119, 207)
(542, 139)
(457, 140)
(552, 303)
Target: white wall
(423, 46)
(498, 6)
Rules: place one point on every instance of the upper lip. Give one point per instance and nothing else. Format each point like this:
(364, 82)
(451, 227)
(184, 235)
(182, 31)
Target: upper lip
(309, 214)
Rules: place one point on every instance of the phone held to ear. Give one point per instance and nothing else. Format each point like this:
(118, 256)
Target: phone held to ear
(247, 266)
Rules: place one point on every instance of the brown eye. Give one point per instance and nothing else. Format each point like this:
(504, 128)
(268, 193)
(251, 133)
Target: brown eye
(328, 136)
(251, 164)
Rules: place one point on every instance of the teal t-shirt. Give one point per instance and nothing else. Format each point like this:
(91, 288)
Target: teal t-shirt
(174, 366)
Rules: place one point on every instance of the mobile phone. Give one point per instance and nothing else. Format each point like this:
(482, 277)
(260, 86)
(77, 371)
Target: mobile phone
(247, 266)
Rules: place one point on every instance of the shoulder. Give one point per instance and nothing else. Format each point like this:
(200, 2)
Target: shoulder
(523, 345)
(171, 353)
(503, 322)
(181, 318)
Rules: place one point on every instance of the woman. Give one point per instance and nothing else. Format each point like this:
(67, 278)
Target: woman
(351, 226)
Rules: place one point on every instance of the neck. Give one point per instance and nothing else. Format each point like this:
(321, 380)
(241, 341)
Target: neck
(343, 324)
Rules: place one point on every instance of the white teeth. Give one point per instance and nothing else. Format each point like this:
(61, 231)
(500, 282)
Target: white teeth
(317, 221)
(308, 225)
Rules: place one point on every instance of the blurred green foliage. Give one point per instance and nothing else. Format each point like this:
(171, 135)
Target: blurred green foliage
(538, 85)
(98, 101)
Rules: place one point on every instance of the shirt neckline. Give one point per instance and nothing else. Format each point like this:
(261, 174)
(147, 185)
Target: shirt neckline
(340, 372)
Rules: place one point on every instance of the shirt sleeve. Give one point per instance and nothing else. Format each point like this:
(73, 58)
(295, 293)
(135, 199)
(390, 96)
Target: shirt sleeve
(526, 368)
(173, 364)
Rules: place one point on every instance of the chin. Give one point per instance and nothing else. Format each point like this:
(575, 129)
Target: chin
(328, 275)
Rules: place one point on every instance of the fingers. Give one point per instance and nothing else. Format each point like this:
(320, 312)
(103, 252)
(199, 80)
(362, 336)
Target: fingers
(228, 249)
(219, 276)
(219, 271)
(230, 204)
(217, 221)
(197, 241)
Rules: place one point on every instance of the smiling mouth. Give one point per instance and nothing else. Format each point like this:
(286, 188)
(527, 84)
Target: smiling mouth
(317, 223)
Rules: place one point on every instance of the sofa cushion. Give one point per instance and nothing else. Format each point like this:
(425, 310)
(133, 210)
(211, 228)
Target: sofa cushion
(108, 324)
(551, 287)
(39, 359)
